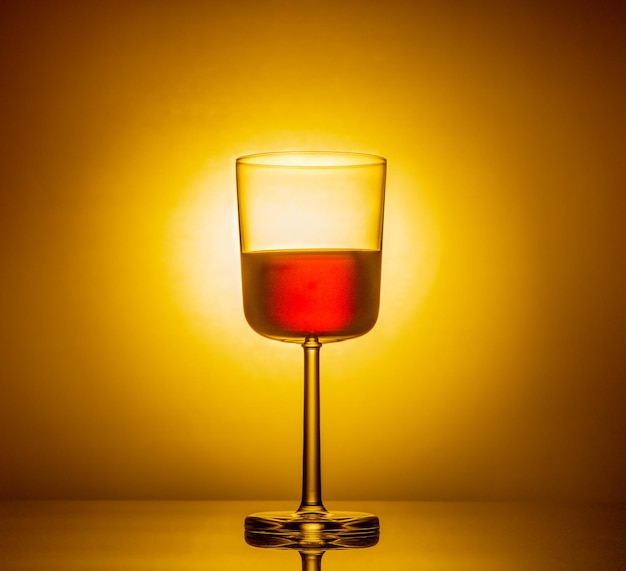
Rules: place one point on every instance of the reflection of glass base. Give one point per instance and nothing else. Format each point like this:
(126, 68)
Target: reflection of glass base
(326, 530)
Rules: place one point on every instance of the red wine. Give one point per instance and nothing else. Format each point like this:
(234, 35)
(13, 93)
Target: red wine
(332, 294)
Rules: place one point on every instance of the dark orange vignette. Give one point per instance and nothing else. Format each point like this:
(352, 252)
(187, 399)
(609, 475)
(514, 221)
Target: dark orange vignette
(496, 369)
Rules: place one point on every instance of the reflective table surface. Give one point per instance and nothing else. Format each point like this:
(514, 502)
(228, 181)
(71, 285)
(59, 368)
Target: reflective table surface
(429, 536)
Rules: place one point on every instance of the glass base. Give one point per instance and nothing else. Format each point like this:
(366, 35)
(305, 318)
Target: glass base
(318, 529)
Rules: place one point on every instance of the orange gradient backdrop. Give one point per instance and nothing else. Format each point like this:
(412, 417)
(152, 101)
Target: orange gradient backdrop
(497, 368)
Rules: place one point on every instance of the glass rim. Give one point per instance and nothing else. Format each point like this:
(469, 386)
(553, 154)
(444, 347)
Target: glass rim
(311, 160)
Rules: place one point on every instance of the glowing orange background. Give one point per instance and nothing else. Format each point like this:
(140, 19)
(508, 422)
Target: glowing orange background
(497, 368)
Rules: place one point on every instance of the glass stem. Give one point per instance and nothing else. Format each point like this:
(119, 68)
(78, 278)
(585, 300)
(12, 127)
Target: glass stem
(311, 560)
(311, 461)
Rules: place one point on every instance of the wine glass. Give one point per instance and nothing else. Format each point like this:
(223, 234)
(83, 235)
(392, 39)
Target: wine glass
(310, 226)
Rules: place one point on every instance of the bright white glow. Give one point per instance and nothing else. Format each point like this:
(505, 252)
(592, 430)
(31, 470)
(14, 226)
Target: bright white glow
(206, 270)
